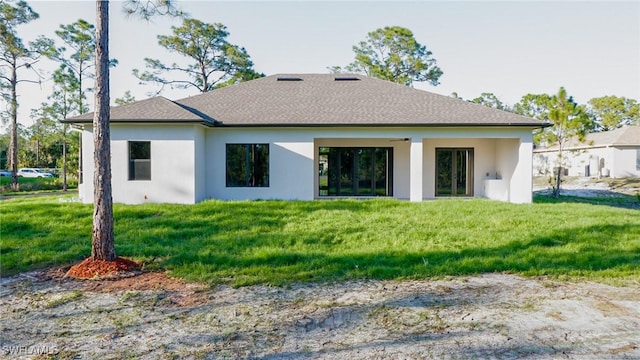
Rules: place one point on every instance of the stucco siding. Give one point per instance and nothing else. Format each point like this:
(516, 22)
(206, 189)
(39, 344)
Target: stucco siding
(625, 162)
(172, 164)
(188, 162)
(291, 170)
(483, 162)
(616, 162)
(200, 169)
(85, 188)
(521, 183)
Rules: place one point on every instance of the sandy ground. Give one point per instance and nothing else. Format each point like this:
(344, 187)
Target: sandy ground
(590, 187)
(152, 316)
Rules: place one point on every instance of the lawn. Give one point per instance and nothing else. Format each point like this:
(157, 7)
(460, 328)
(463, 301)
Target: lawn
(283, 242)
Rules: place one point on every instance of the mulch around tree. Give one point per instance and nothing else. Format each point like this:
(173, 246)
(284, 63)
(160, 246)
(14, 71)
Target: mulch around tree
(94, 269)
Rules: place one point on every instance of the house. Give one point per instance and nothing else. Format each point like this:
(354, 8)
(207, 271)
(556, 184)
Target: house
(614, 153)
(313, 136)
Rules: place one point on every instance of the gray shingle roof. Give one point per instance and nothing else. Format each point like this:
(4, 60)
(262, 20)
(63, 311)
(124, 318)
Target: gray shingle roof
(156, 109)
(625, 136)
(327, 100)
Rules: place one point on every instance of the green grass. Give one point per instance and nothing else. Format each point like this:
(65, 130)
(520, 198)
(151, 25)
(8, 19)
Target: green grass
(620, 200)
(283, 242)
(34, 185)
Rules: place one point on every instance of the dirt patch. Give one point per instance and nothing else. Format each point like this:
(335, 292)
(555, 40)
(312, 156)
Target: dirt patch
(155, 316)
(590, 187)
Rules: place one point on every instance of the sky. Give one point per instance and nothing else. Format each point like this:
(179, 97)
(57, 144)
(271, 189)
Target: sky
(509, 48)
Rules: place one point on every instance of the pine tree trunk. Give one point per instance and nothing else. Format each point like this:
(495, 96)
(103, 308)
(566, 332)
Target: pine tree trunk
(556, 194)
(13, 143)
(64, 159)
(102, 243)
(38, 151)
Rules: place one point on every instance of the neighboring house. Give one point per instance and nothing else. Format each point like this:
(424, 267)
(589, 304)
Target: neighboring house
(614, 153)
(313, 136)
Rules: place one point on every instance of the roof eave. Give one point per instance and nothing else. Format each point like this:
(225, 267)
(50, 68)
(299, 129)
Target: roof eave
(141, 121)
(530, 125)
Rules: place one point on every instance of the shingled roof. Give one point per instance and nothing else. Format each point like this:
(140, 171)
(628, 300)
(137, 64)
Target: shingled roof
(156, 109)
(625, 136)
(324, 100)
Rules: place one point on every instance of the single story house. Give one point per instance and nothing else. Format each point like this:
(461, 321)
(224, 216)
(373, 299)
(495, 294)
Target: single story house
(614, 153)
(313, 136)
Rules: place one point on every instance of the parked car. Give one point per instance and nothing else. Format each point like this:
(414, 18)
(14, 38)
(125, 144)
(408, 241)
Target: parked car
(4, 172)
(34, 173)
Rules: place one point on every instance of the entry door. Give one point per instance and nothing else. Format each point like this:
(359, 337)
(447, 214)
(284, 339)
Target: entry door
(454, 172)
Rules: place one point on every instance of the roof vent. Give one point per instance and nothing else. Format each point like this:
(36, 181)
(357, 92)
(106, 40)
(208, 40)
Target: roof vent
(347, 78)
(289, 79)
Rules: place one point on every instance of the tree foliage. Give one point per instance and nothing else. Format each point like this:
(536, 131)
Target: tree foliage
(490, 100)
(63, 102)
(393, 53)
(569, 121)
(147, 9)
(612, 112)
(212, 60)
(534, 106)
(14, 57)
(126, 98)
(77, 57)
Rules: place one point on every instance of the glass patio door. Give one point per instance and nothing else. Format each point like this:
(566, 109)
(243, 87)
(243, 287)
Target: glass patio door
(351, 171)
(454, 172)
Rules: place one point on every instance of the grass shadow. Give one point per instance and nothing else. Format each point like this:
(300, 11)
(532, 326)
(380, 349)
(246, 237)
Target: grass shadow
(597, 197)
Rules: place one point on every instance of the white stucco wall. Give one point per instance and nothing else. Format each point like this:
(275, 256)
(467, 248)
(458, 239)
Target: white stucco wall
(85, 187)
(617, 162)
(521, 182)
(502, 154)
(200, 155)
(188, 161)
(625, 162)
(173, 174)
(291, 165)
(484, 161)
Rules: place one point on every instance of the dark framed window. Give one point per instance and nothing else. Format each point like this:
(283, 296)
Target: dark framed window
(638, 159)
(247, 165)
(454, 172)
(355, 171)
(139, 160)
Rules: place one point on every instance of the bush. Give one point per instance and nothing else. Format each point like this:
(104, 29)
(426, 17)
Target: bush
(36, 184)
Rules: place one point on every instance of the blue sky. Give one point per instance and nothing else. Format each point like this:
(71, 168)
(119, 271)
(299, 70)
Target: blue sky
(510, 48)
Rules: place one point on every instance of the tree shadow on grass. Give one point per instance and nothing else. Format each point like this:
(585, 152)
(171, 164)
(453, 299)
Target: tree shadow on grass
(574, 251)
(596, 197)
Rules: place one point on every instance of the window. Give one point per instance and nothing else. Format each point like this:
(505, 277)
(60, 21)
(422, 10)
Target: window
(454, 172)
(638, 159)
(355, 171)
(247, 165)
(139, 160)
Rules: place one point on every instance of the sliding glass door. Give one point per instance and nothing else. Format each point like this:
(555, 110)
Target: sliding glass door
(355, 171)
(454, 172)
